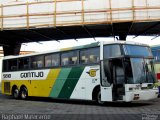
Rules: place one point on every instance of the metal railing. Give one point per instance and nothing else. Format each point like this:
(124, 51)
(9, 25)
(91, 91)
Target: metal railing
(82, 16)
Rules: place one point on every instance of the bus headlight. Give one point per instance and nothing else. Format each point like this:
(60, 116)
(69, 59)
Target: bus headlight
(130, 89)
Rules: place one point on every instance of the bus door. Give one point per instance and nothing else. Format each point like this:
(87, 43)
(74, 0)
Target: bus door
(112, 80)
(117, 79)
(106, 88)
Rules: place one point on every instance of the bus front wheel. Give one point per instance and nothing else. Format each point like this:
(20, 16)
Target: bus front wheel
(99, 98)
(23, 93)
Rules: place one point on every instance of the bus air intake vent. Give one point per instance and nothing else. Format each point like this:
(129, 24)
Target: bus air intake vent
(7, 87)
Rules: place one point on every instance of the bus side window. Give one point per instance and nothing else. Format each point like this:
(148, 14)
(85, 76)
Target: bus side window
(74, 60)
(94, 59)
(89, 56)
(12, 64)
(55, 60)
(37, 62)
(52, 60)
(5, 65)
(69, 58)
(48, 61)
(65, 61)
(23, 63)
(84, 60)
(34, 64)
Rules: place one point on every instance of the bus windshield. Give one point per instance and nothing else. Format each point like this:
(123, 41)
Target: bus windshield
(142, 70)
(137, 50)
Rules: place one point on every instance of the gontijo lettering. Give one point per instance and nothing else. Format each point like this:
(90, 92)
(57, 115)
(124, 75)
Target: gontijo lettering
(32, 74)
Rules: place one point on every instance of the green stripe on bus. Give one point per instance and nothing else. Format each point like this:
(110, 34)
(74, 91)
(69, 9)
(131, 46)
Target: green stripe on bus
(71, 82)
(60, 82)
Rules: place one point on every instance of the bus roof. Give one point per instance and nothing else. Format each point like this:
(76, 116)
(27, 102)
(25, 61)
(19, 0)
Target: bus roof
(74, 48)
(126, 42)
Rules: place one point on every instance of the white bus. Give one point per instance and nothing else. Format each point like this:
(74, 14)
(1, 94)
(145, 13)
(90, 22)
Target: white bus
(102, 71)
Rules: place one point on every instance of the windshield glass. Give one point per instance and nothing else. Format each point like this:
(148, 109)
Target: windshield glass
(149, 69)
(143, 71)
(137, 50)
(128, 71)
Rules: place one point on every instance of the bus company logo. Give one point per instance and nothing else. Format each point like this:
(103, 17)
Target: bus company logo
(92, 72)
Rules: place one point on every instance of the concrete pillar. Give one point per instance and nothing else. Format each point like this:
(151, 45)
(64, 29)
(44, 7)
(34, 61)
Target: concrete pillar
(11, 49)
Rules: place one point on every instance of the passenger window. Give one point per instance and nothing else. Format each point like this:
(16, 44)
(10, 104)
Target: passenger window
(37, 62)
(23, 63)
(5, 65)
(69, 58)
(52, 60)
(89, 56)
(12, 64)
(55, 60)
(48, 61)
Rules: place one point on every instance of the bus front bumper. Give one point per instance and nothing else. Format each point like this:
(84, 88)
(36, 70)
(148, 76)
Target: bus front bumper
(141, 95)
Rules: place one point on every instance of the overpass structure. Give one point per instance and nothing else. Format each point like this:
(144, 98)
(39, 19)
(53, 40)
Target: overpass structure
(24, 22)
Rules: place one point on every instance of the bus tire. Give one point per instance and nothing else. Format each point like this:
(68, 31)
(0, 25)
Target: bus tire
(98, 99)
(23, 93)
(15, 93)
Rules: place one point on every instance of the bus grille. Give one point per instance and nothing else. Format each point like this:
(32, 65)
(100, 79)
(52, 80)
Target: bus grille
(7, 87)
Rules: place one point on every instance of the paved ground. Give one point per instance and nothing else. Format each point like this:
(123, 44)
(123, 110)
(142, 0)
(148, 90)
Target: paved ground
(70, 110)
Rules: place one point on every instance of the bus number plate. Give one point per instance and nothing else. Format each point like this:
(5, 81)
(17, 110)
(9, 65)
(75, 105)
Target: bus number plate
(6, 75)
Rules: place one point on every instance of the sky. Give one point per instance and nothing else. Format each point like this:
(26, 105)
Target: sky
(54, 45)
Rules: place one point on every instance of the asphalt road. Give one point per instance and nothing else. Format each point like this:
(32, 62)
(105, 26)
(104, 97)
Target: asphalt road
(68, 110)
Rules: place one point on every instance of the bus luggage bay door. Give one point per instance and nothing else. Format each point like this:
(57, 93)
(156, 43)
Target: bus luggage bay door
(106, 94)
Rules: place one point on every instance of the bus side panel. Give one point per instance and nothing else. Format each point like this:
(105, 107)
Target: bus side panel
(42, 88)
(66, 83)
(70, 82)
(59, 83)
(86, 83)
(35, 87)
